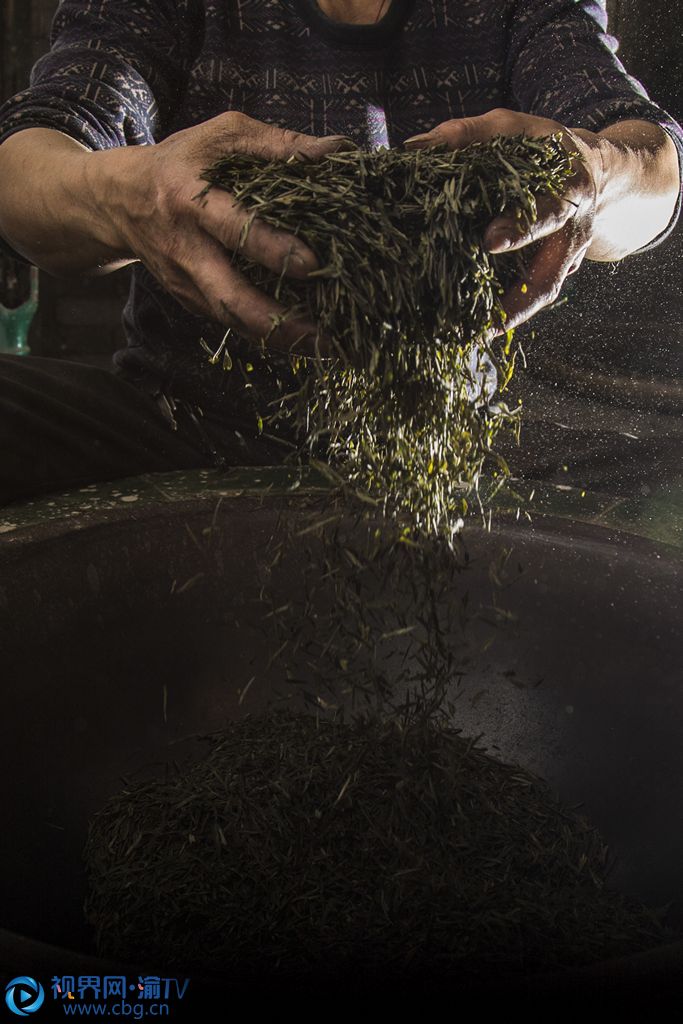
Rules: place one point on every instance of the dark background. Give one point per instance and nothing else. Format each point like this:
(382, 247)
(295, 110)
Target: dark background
(623, 320)
(76, 319)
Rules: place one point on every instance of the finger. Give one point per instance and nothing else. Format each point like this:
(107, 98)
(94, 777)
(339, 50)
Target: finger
(231, 224)
(235, 131)
(300, 336)
(234, 302)
(508, 232)
(578, 261)
(204, 281)
(275, 143)
(456, 134)
(188, 295)
(178, 283)
(544, 279)
(463, 131)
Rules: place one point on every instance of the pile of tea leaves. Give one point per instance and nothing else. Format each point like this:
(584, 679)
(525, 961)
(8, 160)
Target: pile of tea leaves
(299, 846)
(400, 393)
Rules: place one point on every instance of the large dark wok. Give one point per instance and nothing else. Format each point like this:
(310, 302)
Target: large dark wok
(105, 661)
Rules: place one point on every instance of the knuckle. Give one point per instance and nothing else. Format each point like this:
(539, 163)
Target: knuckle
(291, 143)
(505, 119)
(225, 313)
(233, 120)
(289, 138)
(172, 199)
(224, 133)
(225, 227)
(456, 132)
(178, 285)
(166, 197)
(553, 292)
(468, 131)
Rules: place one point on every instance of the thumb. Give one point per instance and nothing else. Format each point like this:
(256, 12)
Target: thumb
(270, 142)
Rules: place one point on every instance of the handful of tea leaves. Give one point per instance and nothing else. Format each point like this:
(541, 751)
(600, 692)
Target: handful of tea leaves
(406, 297)
(307, 847)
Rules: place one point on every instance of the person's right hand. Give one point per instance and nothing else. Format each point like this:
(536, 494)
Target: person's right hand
(149, 197)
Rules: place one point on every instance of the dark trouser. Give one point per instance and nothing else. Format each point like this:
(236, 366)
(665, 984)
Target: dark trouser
(64, 424)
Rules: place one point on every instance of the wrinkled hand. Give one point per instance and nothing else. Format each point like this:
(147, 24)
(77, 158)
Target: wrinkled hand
(564, 227)
(184, 239)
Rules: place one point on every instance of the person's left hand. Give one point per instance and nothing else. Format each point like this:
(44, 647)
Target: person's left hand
(564, 226)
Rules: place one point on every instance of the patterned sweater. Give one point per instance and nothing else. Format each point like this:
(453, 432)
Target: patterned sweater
(131, 72)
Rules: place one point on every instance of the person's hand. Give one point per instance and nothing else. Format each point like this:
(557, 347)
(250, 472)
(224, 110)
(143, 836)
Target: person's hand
(565, 226)
(155, 215)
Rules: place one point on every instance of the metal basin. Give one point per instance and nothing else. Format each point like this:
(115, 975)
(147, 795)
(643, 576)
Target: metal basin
(123, 632)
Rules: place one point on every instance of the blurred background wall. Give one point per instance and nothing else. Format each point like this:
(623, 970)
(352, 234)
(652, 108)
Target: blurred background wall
(82, 319)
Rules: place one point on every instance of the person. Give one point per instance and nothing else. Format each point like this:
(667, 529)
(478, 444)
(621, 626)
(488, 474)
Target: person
(100, 161)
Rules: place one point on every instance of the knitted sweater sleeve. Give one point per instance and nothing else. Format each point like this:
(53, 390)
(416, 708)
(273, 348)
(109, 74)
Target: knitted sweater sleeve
(114, 75)
(562, 64)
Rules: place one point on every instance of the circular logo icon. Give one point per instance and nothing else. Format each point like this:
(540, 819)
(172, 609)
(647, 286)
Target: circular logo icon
(24, 996)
